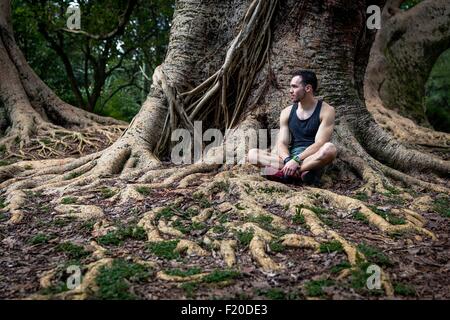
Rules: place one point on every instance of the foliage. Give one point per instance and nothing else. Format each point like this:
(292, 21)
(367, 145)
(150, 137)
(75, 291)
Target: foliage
(55, 54)
(408, 4)
(164, 249)
(114, 281)
(437, 94)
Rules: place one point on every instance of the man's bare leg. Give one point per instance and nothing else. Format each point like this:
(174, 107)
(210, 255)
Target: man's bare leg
(263, 158)
(326, 154)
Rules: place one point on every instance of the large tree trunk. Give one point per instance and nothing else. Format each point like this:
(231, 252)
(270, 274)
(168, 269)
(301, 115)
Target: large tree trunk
(402, 56)
(35, 114)
(229, 64)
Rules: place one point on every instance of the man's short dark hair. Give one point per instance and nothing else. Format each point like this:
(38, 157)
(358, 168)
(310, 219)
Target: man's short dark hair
(308, 77)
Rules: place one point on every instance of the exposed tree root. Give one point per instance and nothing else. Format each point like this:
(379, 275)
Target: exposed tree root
(164, 276)
(356, 205)
(82, 212)
(86, 289)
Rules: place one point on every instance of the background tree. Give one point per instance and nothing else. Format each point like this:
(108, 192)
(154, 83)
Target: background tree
(118, 42)
(229, 65)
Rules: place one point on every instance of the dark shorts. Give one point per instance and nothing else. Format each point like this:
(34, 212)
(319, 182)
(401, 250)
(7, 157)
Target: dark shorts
(296, 151)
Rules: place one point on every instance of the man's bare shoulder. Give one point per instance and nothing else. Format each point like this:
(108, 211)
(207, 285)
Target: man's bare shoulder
(286, 111)
(327, 109)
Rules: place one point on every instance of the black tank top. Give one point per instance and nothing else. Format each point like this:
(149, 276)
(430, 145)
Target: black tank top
(303, 132)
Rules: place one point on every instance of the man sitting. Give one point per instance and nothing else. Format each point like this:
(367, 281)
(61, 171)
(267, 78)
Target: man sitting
(303, 146)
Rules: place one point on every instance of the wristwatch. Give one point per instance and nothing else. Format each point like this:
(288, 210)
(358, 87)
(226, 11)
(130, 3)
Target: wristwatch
(287, 159)
(297, 159)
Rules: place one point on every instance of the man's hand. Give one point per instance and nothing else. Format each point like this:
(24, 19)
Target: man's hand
(290, 167)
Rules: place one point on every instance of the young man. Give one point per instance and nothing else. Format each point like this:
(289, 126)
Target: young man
(303, 146)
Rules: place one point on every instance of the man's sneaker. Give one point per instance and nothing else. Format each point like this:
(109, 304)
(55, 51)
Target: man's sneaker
(273, 174)
(311, 177)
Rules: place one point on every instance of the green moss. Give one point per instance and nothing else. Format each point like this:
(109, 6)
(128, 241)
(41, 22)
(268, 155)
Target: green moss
(314, 288)
(244, 237)
(374, 255)
(360, 217)
(88, 225)
(55, 289)
(114, 281)
(73, 251)
(189, 289)
(2, 203)
(63, 221)
(273, 294)
(39, 239)
(220, 276)
(164, 249)
(358, 280)
(186, 226)
(276, 246)
(406, 290)
(219, 229)
(239, 206)
(340, 266)
(183, 273)
(388, 216)
(331, 246)
(441, 205)
(223, 218)
(361, 196)
(219, 186)
(264, 221)
(44, 208)
(392, 190)
(166, 213)
(408, 4)
(201, 199)
(72, 175)
(322, 214)
(248, 188)
(145, 191)
(298, 218)
(28, 167)
(68, 200)
(3, 163)
(359, 276)
(46, 141)
(106, 193)
(121, 234)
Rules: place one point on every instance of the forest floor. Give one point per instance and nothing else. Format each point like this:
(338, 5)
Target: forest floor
(35, 254)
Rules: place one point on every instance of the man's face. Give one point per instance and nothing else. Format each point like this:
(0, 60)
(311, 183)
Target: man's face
(297, 89)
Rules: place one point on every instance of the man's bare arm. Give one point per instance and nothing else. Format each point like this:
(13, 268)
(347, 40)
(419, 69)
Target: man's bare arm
(324, 133)
(284, 135)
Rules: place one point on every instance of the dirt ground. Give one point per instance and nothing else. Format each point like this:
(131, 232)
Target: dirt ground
(417, 266)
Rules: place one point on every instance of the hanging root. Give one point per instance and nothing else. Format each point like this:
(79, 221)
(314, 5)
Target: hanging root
(250, 44)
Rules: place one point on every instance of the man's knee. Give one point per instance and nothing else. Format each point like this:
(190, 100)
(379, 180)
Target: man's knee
(328, 152)
(252, 156)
